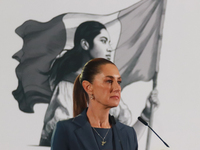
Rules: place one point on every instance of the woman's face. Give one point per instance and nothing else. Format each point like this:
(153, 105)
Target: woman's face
(106, 86)
(101, 48)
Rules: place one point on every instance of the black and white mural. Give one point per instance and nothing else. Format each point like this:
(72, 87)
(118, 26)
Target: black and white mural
(153, 43)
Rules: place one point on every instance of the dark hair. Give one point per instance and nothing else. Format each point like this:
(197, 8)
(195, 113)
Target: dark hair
(80, 97)
(74, 59)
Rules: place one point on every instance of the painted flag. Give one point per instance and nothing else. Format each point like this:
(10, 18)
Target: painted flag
(135, 35)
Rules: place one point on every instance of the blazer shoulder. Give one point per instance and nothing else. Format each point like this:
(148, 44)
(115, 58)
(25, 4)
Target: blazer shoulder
(67, 121)
(128, 136)
(125, 128)
(66, 124)
(73, 123)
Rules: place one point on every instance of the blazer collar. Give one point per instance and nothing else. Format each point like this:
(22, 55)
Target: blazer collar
(85, 132)
(81, 119)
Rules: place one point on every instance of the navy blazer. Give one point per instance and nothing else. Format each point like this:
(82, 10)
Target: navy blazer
(77, 134)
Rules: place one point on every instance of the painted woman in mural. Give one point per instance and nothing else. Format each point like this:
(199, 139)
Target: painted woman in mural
(91, 40)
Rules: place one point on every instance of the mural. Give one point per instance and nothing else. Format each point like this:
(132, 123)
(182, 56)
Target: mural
(48, 66)
(135, 34)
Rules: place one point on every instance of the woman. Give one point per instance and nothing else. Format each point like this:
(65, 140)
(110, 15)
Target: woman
(98, 87)
(91, 41)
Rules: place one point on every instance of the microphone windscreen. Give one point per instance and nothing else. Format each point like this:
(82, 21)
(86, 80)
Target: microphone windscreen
(142, 120)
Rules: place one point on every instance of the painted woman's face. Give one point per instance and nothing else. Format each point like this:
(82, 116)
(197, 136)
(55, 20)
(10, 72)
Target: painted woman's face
(101, 48)
(106, 86)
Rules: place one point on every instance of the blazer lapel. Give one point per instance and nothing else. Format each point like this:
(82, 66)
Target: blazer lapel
(119, 138)
(84, 133)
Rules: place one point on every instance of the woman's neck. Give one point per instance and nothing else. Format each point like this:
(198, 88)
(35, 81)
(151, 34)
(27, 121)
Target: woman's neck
(98, 118)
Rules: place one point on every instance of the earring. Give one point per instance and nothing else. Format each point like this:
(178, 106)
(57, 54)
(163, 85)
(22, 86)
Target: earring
(92, 96)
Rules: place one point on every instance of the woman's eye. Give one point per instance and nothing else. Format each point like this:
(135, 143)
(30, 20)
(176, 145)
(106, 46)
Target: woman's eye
(103, 41)
(119, 82)
(109, 81)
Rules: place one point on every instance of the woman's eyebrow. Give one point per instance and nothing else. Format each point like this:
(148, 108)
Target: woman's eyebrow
(113, 77)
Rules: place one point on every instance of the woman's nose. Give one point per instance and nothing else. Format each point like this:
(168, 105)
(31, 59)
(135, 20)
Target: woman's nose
(110, 49)
(116, 86)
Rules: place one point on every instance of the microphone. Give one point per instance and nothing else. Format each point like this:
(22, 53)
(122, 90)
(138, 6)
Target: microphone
(146, 124)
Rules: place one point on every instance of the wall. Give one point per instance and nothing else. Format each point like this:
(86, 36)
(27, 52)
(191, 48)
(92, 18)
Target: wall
(177, 118)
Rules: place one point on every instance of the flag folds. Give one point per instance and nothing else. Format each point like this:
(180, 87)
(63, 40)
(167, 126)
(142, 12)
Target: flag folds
(135, 37)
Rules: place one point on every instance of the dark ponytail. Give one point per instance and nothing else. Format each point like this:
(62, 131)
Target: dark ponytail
(70, 62)
(80, 97)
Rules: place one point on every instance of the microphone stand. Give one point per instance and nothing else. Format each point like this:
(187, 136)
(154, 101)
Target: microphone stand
(146, 124)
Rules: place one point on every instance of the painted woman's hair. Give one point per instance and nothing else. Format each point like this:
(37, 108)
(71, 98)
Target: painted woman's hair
(80, 97)
(73, 59)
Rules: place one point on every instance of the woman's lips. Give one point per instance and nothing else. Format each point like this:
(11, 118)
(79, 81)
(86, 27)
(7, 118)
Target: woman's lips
(115, 97)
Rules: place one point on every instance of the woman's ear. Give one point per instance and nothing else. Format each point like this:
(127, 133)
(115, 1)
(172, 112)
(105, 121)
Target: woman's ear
(87, 87)
(84, 44)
